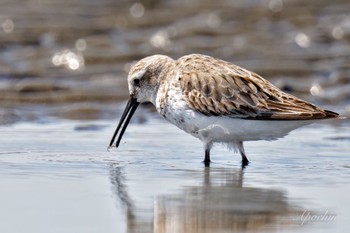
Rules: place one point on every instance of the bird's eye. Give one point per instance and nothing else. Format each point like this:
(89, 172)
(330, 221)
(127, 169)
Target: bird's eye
(137, 82)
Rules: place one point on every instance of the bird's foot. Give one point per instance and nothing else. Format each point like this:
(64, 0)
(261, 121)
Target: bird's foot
(245, 162)
(206, 163)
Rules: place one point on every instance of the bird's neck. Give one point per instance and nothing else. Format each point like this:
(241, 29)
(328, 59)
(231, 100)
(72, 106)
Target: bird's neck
(166, 73)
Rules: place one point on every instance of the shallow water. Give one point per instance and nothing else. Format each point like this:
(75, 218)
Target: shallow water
(63, 68)
(58, 177)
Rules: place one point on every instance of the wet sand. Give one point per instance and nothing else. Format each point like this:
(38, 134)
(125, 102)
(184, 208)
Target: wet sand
(70, 59)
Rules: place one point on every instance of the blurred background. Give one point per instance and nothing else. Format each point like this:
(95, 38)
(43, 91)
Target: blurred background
(70, 58)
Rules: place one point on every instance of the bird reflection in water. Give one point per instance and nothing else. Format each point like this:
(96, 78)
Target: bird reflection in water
(220, 203)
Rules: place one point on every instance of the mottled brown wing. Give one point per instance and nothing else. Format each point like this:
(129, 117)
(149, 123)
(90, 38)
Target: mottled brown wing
(215, 87)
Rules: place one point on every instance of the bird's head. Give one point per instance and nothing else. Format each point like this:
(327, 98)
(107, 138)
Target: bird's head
(143, 80)
(145, 76)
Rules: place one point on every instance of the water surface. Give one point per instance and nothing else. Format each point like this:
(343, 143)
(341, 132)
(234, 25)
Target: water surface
(59, 177)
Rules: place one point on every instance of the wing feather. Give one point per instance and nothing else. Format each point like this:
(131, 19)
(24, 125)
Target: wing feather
(215, 87)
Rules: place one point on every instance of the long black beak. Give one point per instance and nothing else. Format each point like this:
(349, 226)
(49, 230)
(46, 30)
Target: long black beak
(124, 120)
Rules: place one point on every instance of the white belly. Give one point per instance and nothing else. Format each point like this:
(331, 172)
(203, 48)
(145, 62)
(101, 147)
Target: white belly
(223, 129)
(226, 129)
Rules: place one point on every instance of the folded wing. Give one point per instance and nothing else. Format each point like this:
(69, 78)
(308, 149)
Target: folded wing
(215, 87)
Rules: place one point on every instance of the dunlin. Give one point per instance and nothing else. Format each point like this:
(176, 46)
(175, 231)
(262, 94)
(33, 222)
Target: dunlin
(215, 101)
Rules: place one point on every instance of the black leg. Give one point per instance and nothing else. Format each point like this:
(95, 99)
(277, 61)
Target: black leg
(207, 158)
(245, 160)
